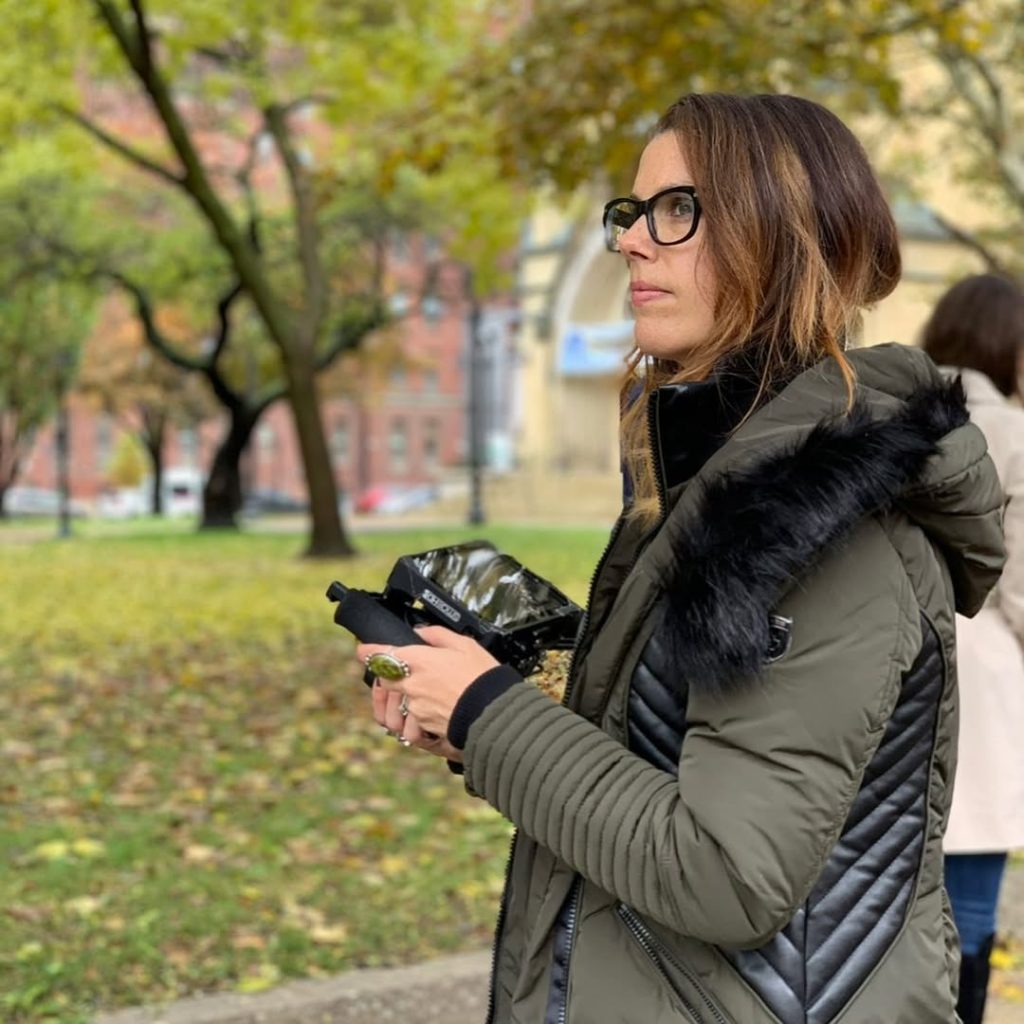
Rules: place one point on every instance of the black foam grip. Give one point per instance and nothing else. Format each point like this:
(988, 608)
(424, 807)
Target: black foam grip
(362, 616)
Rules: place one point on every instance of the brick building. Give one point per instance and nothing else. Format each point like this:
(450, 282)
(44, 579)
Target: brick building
(407, 425)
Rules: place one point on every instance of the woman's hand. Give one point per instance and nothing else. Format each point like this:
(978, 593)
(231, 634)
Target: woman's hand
(439, 673)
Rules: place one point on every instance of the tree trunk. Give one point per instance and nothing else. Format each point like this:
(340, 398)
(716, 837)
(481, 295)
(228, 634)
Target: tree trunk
(155, 448)
(222, 495)
(328, 538)
(11, 440)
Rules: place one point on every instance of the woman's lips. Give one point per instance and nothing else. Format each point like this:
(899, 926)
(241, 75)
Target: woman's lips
(641, 293)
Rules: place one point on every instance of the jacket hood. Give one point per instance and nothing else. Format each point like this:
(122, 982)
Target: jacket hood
(799, 475)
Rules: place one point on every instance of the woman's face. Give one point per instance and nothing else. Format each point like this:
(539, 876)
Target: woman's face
(672, 288)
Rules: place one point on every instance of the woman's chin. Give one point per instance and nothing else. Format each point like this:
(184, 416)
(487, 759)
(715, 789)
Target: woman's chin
(658, 345)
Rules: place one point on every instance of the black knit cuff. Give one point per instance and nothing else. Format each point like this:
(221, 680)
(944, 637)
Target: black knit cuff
(475, 698)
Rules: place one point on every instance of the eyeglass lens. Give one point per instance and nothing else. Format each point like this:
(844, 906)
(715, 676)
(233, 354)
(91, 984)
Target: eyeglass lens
(672, 215)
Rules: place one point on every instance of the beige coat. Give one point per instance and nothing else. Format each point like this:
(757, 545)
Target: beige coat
(988, 798)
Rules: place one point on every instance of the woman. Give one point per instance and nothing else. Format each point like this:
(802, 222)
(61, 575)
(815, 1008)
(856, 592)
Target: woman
(737, 813)
(977, 330)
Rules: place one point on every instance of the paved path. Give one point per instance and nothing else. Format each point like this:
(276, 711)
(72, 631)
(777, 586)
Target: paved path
(454, 991)
(448, 991)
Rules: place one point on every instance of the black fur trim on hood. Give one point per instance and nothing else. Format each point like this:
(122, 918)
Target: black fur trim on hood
(758, 530)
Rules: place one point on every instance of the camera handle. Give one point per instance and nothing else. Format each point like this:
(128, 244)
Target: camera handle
(361, 615)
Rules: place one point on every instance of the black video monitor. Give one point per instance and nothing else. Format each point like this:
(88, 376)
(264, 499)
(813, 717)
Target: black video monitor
(493, 585)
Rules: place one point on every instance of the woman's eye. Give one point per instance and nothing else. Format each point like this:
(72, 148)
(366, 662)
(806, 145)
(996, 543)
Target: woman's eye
(682, 207)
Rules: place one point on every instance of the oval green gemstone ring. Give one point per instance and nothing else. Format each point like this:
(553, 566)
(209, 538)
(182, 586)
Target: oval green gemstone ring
(387, 666)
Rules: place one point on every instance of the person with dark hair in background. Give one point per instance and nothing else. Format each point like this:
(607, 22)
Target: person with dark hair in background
(736, 814)
(977, 331)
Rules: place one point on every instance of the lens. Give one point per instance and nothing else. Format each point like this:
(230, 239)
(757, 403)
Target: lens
(619, 217)
(675, 214)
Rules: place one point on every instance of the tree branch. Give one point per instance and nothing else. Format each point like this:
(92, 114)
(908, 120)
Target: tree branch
(121, 148)
(243, 175)
(271, 393)
(355, 327)
(154, 336)
(974, 243)
(995, 91)
(224, 321)
(911, 22)
(195, 181)
(989, 116)
(145, 40)
(226, 395)
(307, 229)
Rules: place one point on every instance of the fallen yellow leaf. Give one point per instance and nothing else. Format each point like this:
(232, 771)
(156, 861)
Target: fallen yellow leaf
(1001, 959)
(89, 848)
(266, 976)
(55, 849)
(84, 906)
(198, 854)
(329, 935)
(29, 951)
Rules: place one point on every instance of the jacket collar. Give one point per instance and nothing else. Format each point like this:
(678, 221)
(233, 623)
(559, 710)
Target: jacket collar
(753, 520)
(689, 422)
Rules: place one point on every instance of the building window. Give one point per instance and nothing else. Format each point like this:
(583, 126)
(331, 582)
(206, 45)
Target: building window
(398, 445)
(340, 442)
(399, 303)
(104, 439)
(265, 437)
(188, 445)
(397, 377)
(432, 309)
(431, 381)
(431, 443)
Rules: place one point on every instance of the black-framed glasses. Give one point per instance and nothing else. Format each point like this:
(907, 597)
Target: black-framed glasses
(672, 216)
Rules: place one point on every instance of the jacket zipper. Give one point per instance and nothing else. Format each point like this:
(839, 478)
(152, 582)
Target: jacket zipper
(573, 906)
(656, 952)
(498, 928)
(659, 477)
(575, 897)
(657, 460)
(585, 620)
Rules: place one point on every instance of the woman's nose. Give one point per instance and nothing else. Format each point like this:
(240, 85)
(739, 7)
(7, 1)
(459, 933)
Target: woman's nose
(636, 240)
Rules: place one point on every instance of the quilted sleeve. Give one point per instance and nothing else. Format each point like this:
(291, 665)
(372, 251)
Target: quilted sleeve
(730, 846)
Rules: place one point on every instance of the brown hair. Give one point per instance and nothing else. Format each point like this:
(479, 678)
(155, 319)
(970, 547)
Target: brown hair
(979, 325)
(800, 238)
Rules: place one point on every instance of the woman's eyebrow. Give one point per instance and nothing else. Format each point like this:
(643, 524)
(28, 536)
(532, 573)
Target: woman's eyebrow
(664, 188)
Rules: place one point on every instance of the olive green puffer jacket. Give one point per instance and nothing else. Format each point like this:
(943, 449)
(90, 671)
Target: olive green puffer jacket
(737, 817)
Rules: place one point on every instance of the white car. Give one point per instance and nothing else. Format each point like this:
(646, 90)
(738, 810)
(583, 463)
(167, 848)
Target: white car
(38, 501)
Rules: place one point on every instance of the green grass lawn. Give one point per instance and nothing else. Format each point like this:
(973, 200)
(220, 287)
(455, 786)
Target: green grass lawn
(193, 793)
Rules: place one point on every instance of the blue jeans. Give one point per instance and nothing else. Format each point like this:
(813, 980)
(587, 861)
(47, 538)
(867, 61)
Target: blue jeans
(972, 881)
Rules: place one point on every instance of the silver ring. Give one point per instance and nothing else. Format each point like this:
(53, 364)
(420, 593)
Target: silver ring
(404, 741)
(387, 666)
(403, 705)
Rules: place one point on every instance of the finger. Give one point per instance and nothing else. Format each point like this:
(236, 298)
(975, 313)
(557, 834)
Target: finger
(393, 717)
(364, 651)
(441, 636)
(412, 732)
(379, 698)
(402, 654)
(428, 741)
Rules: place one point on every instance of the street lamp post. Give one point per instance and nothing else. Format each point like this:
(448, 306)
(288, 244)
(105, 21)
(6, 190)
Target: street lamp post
(62, 445)
(475, 367)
